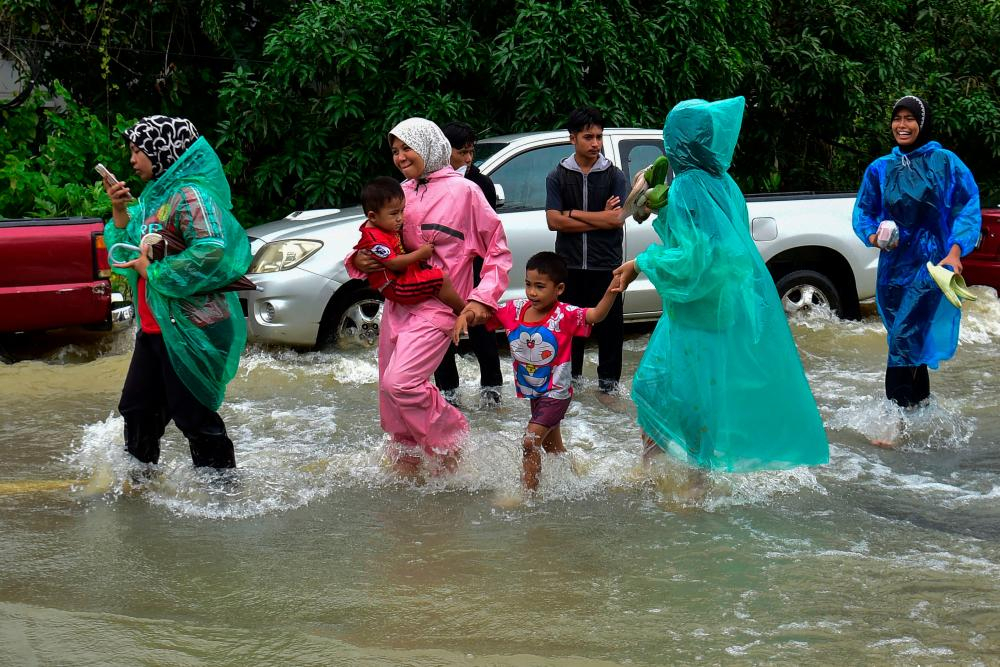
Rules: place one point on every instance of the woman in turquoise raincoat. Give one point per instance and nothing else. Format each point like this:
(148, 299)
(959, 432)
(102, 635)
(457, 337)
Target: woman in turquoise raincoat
(190, 334)
(934, 201)
(720, 385)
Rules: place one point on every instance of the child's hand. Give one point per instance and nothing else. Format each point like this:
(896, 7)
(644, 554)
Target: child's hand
(623, 276)
(461, 327)
(424, 252)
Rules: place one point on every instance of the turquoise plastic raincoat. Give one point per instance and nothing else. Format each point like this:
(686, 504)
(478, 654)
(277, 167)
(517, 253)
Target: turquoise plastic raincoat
(933, 199)
(204, 331)
(720, 385)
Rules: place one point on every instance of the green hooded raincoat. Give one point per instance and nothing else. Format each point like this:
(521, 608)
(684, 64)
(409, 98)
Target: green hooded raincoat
(204, 331)
(720, 385)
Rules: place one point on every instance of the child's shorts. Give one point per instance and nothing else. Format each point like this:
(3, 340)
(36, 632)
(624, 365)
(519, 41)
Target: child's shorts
(414, 285)
(548, 412)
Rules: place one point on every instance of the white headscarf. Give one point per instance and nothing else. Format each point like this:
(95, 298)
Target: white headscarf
(427, 140)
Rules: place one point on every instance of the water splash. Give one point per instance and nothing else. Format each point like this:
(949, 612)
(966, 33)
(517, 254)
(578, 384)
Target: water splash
(981, 318)
(936, 424)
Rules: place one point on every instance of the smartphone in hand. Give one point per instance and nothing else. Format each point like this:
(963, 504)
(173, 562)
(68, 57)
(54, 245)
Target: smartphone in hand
(106, 174)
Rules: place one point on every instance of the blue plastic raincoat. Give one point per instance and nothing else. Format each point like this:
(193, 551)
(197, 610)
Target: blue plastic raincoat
(720, 385)
(934, 201)
(204, 330)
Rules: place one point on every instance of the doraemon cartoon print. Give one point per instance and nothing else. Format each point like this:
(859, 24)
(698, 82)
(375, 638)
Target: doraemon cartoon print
(535, 350)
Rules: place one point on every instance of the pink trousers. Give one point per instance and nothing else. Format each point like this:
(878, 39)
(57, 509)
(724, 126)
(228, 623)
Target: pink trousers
(412, 409)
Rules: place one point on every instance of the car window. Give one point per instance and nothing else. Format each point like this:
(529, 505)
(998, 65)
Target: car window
(523, 177)
(485, 149)
(638, 154)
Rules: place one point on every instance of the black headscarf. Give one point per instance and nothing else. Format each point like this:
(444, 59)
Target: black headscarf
(922, 113)
(163, 139)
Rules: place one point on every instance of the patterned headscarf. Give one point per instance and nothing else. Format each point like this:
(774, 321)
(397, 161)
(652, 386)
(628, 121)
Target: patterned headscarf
(163, 139)
(922, 113)
(427, 140)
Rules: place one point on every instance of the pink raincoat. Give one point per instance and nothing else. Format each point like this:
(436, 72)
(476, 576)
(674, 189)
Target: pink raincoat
(449, 211)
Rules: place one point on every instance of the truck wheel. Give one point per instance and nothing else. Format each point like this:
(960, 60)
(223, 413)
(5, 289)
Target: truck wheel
(356, 323)
(805, 290)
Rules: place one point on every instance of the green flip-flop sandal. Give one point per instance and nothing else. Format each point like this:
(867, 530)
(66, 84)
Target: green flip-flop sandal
(952, 284)
(656, 173)
(656, 197)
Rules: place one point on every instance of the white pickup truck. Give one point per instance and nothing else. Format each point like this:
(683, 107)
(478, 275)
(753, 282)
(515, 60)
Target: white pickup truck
(305, 297)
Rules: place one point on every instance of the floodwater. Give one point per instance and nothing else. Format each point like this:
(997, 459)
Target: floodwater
(316, 555)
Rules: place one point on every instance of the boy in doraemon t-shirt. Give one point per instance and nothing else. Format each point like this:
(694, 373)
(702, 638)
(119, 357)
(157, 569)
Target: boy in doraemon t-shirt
(540, 330)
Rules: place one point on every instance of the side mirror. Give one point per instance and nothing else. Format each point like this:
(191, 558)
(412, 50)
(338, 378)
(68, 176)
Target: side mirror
(500, 197)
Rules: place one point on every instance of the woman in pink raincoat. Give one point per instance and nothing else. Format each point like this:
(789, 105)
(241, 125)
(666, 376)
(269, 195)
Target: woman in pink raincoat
(450, 212)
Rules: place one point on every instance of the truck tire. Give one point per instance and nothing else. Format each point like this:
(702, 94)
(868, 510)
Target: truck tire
(354, 322)
(804, 290)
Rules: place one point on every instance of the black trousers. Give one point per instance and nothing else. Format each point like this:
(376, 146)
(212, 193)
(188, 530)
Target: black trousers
(585, 288)
(907, 385)
(484, 345)
(153, 395)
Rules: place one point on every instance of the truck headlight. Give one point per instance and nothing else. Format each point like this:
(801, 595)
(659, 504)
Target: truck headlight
(283, 255)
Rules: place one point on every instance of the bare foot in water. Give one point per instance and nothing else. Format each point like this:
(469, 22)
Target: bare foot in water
(883, 444)
(450, 462)
(612, 401)
(407, 466)
(509, 500)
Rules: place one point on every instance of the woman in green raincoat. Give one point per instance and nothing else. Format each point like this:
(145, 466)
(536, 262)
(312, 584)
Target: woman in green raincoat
(190, 334)
(720, 385)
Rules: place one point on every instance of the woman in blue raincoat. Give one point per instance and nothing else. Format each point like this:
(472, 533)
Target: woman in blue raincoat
(191, 332)
(934, 201)
(720, 385)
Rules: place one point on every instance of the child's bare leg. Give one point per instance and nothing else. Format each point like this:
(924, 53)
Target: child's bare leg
(553, 442)
(534, 436)
(450, 461)
(450, 297)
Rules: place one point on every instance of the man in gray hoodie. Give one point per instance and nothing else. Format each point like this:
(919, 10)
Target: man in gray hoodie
(584, 194)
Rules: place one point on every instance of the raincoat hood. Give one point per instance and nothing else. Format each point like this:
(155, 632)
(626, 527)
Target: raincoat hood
(427, 139)
(602, 164)
(199, 166)
(702, 135)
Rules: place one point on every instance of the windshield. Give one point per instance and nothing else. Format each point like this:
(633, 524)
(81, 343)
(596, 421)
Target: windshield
(487, 149)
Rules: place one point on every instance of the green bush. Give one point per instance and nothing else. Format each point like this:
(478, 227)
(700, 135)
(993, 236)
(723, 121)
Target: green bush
(298, 96)
(50, 152)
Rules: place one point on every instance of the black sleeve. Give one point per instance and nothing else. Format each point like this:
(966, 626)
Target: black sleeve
(485, 184)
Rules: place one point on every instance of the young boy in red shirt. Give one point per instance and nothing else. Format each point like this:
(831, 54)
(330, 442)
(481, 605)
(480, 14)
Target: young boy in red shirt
(540, 330)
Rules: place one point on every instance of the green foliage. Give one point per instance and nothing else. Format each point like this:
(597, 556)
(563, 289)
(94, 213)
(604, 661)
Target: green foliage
(309, 128)
(299, 96)
(50, 153)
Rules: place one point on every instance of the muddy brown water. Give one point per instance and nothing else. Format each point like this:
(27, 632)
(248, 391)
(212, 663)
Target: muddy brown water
(318, 556)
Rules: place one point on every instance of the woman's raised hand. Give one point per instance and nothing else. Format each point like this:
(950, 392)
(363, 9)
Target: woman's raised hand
(118, 192)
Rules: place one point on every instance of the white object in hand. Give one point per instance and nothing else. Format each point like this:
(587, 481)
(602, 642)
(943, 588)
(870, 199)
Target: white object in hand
(887, 236)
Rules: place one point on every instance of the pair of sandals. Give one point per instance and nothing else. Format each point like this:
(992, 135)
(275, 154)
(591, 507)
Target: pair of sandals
(649, 191)
(952, 284)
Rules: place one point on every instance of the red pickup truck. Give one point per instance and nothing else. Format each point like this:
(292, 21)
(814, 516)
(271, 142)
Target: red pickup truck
(54, 273)
(982, 265)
